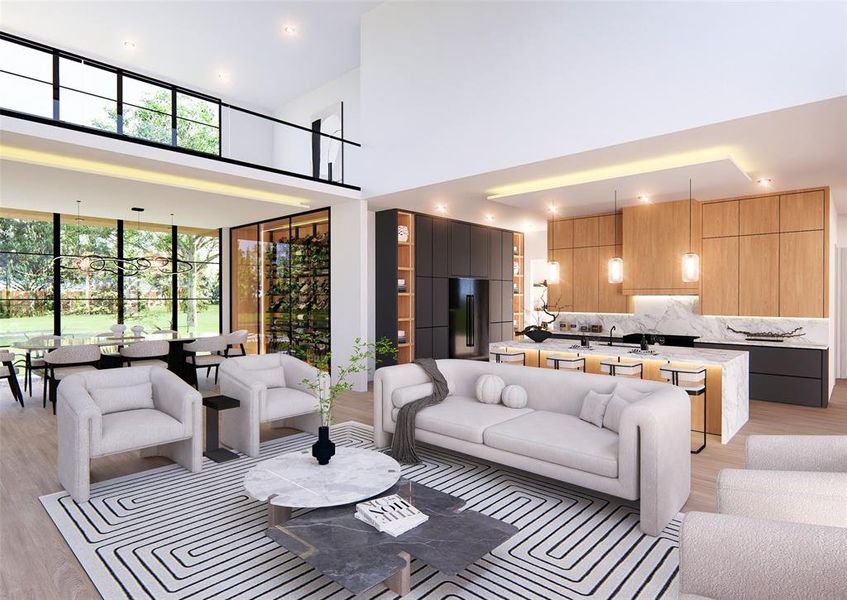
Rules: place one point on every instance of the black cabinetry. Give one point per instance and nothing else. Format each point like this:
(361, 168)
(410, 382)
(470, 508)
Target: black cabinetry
(460, 249)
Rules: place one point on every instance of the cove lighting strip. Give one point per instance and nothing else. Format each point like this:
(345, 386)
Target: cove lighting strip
(638, 167)
(96, 167)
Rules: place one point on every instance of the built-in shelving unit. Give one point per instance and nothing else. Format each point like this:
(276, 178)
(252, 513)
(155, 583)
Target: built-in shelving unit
(406, 299)
(518, 272)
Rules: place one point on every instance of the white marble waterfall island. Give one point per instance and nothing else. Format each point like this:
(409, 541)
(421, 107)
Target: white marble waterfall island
(727, 374)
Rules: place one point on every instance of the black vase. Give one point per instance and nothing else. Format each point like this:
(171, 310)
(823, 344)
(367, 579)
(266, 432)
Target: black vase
(537, 335)
(323, 449)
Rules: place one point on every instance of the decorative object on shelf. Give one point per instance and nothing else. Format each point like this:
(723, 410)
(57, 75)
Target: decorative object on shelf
(328, 392)
(551, 277)
(690, 260)
(535, 333)
(401, 286)
(516, 268)
(615, 266)
(401, 336)
(768, 336)
(515, 251)
(402, 234)
(596, 329)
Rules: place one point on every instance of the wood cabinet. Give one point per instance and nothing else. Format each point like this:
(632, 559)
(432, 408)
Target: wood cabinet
(758, 275)
(801, 274)
(560, 295)
(562, 233)
(655, 236)
(758, 215)
(585, 232)
(610, 298)
(719, 276)
(720, 219)
(610, 230)
(803, 211)
(585, 283)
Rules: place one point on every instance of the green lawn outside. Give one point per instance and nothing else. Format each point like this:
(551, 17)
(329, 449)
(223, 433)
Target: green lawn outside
(12, 329)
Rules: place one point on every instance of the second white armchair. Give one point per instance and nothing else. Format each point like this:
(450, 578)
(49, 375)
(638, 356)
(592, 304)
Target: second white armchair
(270, 389)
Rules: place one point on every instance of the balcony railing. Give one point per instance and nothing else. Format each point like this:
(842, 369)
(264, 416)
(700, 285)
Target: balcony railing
(48, 85)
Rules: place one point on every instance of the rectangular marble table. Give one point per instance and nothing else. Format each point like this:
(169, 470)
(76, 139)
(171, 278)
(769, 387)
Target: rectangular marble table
(359, 557)
(734, 369)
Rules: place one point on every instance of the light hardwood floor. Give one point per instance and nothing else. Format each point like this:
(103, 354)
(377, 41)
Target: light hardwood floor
(36, 563)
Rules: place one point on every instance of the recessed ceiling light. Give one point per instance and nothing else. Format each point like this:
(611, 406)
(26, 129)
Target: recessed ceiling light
(489, 218)
(223, 76)
(441, 208)
(290, 29)
(644, 199)
(764, 181)
(129, 44)
(552, 209)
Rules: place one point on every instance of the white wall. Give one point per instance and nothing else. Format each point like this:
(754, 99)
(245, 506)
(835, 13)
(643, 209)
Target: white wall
(293, 148)
(458, 88)
(226, 296)
(349, 282)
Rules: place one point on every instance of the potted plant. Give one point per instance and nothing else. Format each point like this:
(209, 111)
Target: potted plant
(328, 392)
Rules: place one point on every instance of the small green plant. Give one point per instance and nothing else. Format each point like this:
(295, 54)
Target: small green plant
(328, 392)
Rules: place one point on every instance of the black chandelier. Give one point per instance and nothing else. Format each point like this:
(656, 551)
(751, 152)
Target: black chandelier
(95, 263)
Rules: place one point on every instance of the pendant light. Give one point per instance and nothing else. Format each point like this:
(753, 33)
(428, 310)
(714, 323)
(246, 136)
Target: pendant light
(690, 260)
(615, 268)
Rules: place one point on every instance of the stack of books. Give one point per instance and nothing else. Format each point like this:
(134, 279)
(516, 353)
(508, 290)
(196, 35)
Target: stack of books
(392, 515)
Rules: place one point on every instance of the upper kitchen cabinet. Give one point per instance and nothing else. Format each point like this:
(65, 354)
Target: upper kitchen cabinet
(460, 249)
(610, 295)
(479, 251)
(495, 254)
(562, 233)
(609, 230)
(720, 219)
(440, 248)
(802, 274)
(758, 215)
(585, 283)
(423, 246)
(719, 274)
(803, 211)
(586, 232)
(655, 236)
(560, 295)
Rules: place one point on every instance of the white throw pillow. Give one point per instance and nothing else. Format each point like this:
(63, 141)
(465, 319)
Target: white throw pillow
(489, 388)
(594, 407)
(514, 396)
(272, 378)
(622, 396)
(127, 397)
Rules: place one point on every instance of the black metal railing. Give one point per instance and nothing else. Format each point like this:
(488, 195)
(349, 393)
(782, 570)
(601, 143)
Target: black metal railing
(47, 85)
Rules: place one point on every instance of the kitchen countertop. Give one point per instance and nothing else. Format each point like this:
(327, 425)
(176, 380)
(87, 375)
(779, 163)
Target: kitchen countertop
(788, 343)
(712, 356)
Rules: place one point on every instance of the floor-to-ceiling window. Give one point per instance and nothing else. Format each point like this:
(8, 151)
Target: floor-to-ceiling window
(26, 273)
(106, 271)
(89, 275)
(198, 279)
(280, 284)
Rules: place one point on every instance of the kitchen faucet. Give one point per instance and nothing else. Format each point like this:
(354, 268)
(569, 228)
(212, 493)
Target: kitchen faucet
(611, 331)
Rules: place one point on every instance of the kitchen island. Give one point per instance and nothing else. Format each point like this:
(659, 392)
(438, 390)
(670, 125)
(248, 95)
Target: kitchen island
(727, 374)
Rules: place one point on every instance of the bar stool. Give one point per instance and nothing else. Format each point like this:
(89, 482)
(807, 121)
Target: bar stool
(570, 363)
(616, 368)
(693, 381)
(501, 355)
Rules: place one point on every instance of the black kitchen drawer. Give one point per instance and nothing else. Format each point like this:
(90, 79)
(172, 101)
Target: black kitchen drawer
(789, 390)
(796, 362)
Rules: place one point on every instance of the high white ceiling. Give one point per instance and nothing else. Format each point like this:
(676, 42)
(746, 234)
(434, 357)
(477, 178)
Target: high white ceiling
(191, 42)
(799, 147)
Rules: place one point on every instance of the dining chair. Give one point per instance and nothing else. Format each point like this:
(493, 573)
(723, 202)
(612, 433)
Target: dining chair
(214, 346)
(34, 358)
(9, 371)
(235, 343)
(65, 361)
(148, 353)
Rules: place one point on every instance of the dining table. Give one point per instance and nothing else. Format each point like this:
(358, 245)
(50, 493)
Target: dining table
(176, 354)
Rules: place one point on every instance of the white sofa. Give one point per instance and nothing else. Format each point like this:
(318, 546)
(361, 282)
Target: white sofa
(781, 526)
(649, 459)
(96, 418)
(291, 404)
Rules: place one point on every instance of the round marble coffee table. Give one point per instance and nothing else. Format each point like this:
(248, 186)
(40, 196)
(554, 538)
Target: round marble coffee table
(296, 480)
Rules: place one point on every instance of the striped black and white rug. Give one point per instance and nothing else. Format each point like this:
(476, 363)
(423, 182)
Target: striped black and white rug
(167, 533)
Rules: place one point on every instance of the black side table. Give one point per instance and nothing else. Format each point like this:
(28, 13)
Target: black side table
(215, 404)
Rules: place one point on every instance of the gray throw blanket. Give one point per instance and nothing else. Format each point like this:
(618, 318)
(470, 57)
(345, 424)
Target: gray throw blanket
(403, 444)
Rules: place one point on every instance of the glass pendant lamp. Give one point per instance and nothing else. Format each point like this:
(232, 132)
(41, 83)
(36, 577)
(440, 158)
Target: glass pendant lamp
(690, 260)
(615, 266)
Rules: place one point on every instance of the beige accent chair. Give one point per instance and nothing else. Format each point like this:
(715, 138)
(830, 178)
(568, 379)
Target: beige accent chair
(214, 346)
(65, 361)
(781, 526)
(149, 353)
(117, 410)
(235, 343)
(270, 389)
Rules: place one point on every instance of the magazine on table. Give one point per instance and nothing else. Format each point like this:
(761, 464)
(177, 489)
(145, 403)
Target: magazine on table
(391, 514)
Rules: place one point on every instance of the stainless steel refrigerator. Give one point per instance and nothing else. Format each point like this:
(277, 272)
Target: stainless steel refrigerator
(468, 318)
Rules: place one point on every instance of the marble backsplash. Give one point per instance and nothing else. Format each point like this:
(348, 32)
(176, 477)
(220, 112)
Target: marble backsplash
(679, 315)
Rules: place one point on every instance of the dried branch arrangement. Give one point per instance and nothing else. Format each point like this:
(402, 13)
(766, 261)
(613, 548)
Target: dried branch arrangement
(797, 332)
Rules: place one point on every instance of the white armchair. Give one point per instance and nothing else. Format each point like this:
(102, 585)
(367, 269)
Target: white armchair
(117, 410)
(778, 533)
(270, 389)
